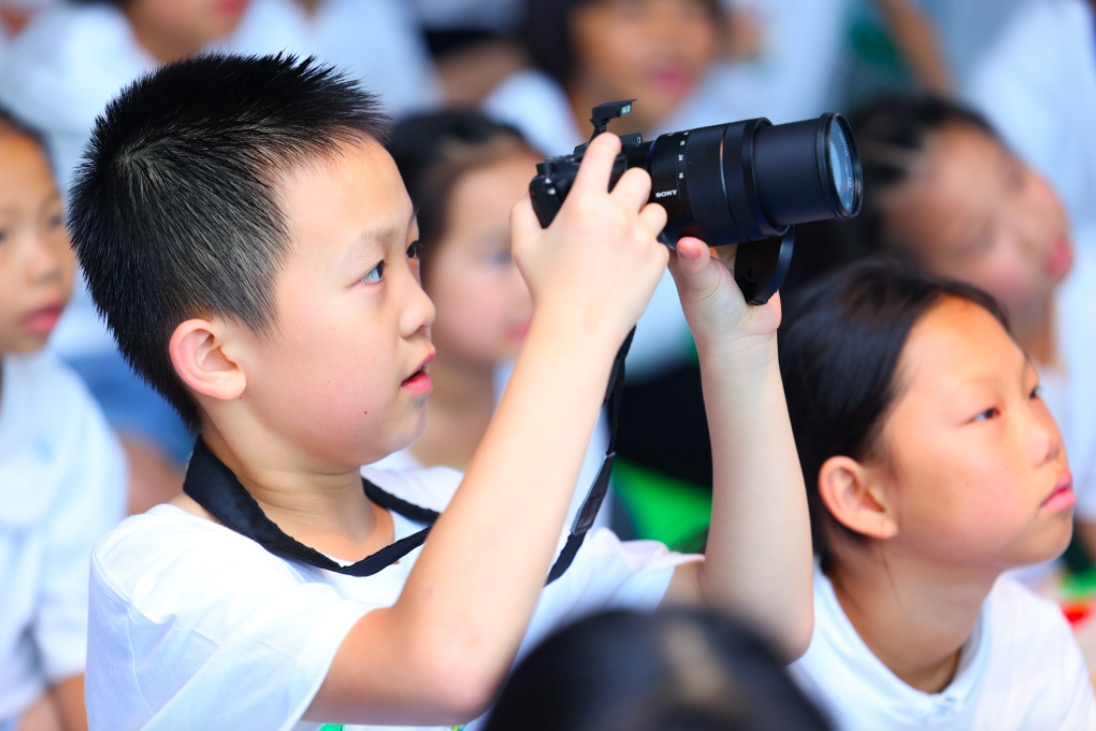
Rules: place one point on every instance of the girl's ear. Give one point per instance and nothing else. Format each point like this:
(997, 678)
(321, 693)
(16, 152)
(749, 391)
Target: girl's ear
(198, 352)
(853, 495)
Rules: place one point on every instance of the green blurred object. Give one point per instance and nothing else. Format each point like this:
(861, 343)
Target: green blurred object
(663, 508)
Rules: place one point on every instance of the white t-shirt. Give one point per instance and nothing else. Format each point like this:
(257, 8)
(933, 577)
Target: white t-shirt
(62, 486)
(1037, 85)
(193, 626)
(1020, 669)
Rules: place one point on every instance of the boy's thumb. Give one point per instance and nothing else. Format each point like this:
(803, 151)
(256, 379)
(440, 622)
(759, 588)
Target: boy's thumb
(523, 220)
(694, 259)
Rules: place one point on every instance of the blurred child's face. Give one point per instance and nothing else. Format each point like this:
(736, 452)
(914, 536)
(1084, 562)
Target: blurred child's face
(974, 212)
(483, 303)
(183, 26)
(651, 50)
(342, 378)
(36, 264)
(978, 470)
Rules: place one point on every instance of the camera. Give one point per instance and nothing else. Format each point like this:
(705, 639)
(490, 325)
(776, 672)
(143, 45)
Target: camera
(742, 182)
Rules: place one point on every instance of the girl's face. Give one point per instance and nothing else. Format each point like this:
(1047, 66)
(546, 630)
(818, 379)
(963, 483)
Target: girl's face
(482, 302)
(972, 460)
(170, 29)
(36, 264)
(650, 50)
(974, 212)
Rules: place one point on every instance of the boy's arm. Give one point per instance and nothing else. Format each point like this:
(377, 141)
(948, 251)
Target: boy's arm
(438, 655)
(758, 561)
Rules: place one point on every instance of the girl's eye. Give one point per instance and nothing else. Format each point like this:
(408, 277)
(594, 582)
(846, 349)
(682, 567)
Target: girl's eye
(55, 221)
(3, 235)
(990, 413)
(376, 274)
(414, 251)
(500, 258)
(1036, 392)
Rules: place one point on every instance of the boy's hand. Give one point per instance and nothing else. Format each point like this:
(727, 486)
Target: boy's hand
(718, 314)
(593, 270)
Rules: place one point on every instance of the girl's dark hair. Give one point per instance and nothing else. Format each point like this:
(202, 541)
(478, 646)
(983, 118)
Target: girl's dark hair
(671, 670)
(433, 150)
(545, 33)
(840, 345)
(891, 134)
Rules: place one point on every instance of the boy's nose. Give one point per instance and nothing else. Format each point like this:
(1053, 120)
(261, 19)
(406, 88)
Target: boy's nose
(418, 312)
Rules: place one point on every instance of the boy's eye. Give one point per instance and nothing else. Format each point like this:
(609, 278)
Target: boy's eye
(1036, 392)
(414, 251)
(376, 274)
(990, 413)
(56, 221)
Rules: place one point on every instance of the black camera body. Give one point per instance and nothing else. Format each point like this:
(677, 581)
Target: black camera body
(742, 182)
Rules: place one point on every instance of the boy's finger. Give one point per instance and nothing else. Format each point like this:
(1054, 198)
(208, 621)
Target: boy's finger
(597, 163)
(523, 220)
(633, 188)
(653, 217)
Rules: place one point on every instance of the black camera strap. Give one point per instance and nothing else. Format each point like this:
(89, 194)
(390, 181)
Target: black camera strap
(211, 484)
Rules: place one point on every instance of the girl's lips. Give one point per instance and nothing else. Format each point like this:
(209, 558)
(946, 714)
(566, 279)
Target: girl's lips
(1060, 259)
(1062, 497)
(44, 319)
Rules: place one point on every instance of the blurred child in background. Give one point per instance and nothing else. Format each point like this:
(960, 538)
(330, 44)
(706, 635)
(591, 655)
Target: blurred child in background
(62, 472)
(932, 466)
(671, 670)
(464, 172)
(942, 190)
(58, 75)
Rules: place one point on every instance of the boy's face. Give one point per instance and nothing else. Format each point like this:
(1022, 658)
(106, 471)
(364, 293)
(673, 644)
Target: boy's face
(342, 377)
(36, 264)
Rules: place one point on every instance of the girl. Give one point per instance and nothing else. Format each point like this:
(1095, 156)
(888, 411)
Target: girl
(62, 473)
(944, 192)
(932, 466)
(464, 171)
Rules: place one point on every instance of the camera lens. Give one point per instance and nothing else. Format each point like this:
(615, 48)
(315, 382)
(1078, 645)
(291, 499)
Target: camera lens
(807, 171)
(841, 165)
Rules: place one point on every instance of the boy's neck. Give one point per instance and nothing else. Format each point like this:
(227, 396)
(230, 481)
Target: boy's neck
(459, 410)
(327, 512)
(912, 616)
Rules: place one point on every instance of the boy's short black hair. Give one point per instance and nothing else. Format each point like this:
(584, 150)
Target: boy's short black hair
(176, 211)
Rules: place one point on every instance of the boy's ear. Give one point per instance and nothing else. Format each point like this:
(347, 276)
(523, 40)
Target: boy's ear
(197, 349)
(856, 499)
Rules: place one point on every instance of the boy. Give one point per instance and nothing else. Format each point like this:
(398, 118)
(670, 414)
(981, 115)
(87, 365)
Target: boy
(251, 245)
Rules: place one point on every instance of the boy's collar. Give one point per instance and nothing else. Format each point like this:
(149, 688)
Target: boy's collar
(211, 484)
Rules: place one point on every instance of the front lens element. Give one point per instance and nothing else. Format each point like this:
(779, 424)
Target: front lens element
(841, 168)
